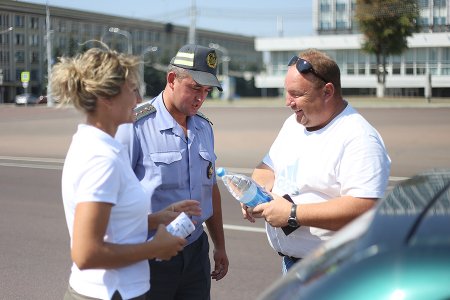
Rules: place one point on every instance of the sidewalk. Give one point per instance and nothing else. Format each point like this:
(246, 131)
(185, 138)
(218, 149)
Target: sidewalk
(365, 102)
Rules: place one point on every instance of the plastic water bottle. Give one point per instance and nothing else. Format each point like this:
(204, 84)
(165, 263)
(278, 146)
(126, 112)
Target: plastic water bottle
(182, 226)
(243, 188)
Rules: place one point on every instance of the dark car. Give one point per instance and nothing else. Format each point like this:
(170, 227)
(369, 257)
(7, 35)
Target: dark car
(398, 250)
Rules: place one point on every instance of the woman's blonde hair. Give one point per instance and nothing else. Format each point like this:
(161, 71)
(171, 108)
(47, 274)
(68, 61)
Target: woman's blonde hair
(97, 73)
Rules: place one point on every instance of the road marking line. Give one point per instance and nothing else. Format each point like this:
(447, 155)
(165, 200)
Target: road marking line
(61, 161)
(36, 159)
(243, 228)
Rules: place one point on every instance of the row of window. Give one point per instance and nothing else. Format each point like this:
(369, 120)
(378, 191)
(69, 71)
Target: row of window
(19, 57)
(355, 62)
(19, 21)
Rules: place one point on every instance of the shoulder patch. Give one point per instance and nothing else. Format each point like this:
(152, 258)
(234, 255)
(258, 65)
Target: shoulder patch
(143, 110)
(201, 115)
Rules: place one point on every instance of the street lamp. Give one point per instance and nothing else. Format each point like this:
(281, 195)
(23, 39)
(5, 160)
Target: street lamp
(141, 66)
(125, 34)
(226, 78)
(6, 30)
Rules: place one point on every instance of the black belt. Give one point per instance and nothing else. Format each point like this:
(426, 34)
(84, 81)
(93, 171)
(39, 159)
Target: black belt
(294, 259)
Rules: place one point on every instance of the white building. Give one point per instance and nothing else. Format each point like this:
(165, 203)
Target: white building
(428, 56)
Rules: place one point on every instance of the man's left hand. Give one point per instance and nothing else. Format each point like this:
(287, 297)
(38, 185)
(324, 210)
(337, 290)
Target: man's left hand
(220, 265)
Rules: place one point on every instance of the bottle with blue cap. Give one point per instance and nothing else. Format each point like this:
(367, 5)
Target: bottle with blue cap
(243, 188)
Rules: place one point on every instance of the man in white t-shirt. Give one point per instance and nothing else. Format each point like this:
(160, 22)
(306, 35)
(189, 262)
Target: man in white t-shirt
(327, 159)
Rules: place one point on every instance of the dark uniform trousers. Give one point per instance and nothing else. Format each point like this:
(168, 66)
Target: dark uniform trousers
(184, 277)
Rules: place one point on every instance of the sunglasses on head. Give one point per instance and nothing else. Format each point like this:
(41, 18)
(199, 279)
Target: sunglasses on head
(304, 67)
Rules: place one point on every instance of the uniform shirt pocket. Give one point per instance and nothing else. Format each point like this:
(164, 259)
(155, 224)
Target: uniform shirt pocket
(166, 169)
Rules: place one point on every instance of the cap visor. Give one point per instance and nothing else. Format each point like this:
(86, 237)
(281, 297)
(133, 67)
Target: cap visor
(205, 78)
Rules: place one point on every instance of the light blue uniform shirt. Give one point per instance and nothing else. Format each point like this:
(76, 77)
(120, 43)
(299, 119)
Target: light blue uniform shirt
(171, 166)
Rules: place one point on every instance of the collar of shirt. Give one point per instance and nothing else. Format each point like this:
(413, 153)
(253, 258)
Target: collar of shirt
(165, 120)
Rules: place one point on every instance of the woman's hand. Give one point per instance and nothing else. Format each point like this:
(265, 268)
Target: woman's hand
(166, 245)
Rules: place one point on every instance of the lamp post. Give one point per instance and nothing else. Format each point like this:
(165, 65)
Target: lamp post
(125, 34)
(141, 66)
(226, 78)
(49, 57)
(1, 70)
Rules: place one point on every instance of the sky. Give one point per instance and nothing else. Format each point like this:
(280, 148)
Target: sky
(247, 17)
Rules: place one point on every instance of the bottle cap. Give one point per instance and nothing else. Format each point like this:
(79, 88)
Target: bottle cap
(220, 172)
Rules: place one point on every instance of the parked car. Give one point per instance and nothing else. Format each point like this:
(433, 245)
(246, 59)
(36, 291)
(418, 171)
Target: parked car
(398, 250)
(28, 99)
(24, 99)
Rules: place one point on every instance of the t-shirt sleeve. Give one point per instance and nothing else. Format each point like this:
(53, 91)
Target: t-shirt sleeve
(365, 168)
(99, 181)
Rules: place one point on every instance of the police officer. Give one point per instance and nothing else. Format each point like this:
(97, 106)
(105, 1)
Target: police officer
(171, 146)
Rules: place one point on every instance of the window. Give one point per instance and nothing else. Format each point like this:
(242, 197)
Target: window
(340, 7)
(396, 64)
(409, 62)
(34, 57)
(341, 24)
(33, 40)
(34, 22)
(423, 21)
(20, 57)
(325, 6)
(423, 3)
(361, 63)
(34, 75)
(4, 21)
(19, 21)
(20, 39)
(4, 56)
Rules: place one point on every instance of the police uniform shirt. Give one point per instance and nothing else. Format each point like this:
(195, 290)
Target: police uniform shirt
(170, 165)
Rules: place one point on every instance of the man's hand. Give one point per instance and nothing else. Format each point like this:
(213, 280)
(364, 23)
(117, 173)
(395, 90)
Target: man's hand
(249, 213)
(275, 212)
(220, 265)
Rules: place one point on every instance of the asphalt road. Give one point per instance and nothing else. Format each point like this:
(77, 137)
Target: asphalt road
(34, 247)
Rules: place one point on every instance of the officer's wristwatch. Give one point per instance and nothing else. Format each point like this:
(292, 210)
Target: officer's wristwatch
(292, 221)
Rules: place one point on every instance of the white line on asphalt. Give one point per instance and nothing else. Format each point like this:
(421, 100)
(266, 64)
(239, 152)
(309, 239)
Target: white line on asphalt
(244, 228)
(31, 166)
(35, 159)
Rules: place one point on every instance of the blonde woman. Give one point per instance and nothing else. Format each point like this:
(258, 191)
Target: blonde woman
(107, 211)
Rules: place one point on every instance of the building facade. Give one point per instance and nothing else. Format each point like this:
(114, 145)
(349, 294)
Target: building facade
(424, 67)
(24, 48)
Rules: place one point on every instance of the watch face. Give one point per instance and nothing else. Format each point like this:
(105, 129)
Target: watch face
(292, 222)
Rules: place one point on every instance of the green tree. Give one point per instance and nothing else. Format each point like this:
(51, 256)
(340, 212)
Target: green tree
(386, 24)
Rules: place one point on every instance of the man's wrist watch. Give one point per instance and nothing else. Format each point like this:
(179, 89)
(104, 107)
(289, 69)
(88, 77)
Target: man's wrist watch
(292, 221)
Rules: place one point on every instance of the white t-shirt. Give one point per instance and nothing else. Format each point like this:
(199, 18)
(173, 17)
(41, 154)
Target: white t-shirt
(346, 157)
(97, 169)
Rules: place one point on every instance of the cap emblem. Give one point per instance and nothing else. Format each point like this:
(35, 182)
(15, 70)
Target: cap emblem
(211, 60)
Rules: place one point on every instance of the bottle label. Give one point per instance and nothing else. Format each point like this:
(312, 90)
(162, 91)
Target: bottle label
(256, 196)
(182, 226)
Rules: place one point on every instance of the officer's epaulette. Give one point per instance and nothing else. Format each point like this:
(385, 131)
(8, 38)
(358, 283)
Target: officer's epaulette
(143, 110)
(201, 115)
